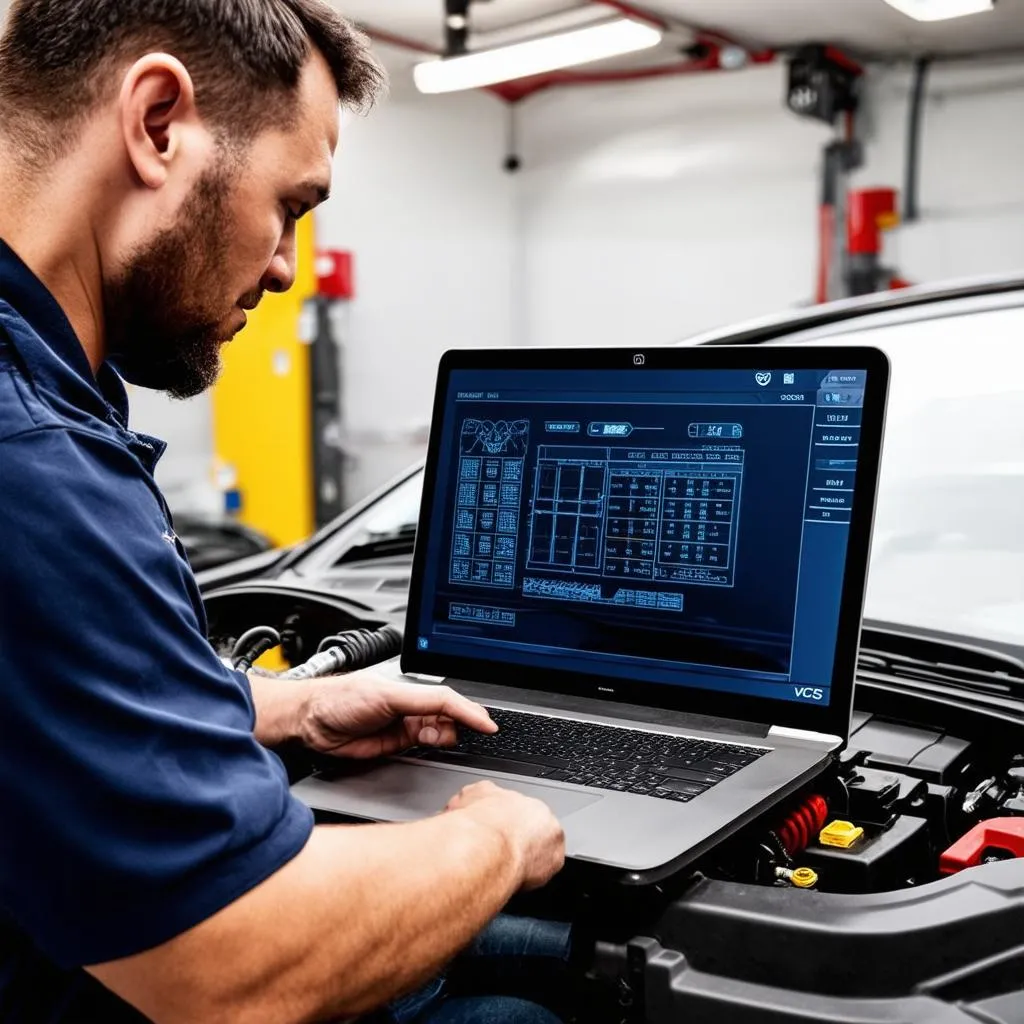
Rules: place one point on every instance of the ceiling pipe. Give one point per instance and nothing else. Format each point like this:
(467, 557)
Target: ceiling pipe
(632, 11)
(456, 27)
(521, 89)
(379, 35)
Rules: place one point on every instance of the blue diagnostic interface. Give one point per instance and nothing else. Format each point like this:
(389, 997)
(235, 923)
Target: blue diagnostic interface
(693, 533)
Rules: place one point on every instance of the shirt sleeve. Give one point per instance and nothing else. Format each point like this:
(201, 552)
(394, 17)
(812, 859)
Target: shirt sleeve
(136, 801)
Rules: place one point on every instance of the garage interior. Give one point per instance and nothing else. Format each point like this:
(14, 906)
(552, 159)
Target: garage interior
(664, 194)
(750, 173)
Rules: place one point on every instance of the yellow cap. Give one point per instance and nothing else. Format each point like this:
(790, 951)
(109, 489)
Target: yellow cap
(840, 833)
(804, 878)
(888, 221)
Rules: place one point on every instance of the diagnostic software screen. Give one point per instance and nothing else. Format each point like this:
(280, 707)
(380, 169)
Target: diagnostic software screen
(681, 527)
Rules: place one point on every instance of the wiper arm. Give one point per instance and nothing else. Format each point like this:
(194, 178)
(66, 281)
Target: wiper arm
(964, 678)
(382, 545)
(946, 662)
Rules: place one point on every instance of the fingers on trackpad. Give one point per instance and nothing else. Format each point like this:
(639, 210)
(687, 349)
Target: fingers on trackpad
(562, 802)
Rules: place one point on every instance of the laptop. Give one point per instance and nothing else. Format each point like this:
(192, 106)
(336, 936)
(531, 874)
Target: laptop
(650, 565)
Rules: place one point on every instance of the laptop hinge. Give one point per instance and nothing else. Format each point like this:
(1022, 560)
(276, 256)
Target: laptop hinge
(784, 732)
(566, 703)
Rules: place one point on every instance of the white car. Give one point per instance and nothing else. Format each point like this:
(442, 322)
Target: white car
(902, 926)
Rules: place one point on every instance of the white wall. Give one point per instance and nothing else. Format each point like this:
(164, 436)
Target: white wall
(971, 189)
(421, 198)
(644, 213)
(657, 209)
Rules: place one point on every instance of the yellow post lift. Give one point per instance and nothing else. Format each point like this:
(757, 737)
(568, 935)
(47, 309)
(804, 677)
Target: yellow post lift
(261, 409)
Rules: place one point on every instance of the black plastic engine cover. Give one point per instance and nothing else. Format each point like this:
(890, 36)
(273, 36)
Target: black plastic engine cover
(925, 753)
(879, 862)
(678, 994)
(747, 953)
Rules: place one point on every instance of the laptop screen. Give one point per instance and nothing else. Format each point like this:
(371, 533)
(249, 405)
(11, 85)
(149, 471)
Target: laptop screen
(683, 528)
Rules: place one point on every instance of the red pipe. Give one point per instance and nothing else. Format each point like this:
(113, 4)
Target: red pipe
(520, 89)
(838, 57)
(630, 11)
(402, 42)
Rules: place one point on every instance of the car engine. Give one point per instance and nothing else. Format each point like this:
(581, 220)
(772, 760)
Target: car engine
(881, 888)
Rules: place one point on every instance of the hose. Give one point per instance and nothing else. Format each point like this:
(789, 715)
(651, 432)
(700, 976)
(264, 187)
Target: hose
(348, 652)
(800, 827)
(252, 645)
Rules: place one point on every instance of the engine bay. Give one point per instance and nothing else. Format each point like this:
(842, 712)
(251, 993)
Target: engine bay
(887, 889)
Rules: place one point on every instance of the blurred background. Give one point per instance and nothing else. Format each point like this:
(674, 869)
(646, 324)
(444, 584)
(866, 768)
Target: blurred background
(744, 157)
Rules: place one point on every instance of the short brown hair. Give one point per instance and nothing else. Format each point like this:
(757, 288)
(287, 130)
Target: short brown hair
(58, 59)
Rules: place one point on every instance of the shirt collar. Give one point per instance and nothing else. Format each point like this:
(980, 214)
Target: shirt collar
(51, 352)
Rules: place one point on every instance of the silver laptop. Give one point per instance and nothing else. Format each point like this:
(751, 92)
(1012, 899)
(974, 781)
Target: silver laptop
(650, 566)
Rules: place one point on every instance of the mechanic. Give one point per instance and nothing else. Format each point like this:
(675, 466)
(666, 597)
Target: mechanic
(155, 156)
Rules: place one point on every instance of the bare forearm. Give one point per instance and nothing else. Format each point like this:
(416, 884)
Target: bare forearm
(419, 894)
(363, 914)
(281, 706)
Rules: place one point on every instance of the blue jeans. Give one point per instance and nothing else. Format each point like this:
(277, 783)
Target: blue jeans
(506, 961)
(488, 1010)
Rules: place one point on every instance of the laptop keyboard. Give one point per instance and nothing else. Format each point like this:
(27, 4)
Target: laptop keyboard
(603, 756)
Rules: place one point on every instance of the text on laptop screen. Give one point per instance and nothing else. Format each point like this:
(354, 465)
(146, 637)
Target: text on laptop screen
(681, 527)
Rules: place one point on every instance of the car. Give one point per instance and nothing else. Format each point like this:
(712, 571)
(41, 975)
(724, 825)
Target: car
(210, 541)
(920, 919)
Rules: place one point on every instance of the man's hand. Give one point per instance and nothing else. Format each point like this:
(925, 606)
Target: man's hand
(528, 826)
(364, 716)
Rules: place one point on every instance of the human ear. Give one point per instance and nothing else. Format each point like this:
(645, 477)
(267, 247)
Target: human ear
(157, 101)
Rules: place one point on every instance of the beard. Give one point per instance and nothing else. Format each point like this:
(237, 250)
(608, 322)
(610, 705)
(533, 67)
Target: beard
(163, 329)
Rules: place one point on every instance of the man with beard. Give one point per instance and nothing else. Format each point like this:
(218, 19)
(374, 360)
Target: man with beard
(155, 156)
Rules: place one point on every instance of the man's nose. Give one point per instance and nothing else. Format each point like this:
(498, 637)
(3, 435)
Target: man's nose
(280, 275)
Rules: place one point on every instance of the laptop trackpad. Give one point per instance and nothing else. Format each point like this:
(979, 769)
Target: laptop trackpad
(561, 801)
(417, 791)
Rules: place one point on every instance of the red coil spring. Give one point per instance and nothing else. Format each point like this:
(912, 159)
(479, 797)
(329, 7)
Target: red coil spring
(803, 824)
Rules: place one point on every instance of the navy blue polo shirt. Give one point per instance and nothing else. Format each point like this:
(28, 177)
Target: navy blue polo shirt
(134, 800)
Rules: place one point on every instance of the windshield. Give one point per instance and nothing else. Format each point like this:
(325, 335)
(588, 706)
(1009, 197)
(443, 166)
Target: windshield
(387, 529)
(948, 549)
(396, 513)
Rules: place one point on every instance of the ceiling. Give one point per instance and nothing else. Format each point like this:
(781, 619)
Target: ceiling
(870, 28)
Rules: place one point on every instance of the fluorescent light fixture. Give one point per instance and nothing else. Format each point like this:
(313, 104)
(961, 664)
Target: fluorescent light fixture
(536, 56)
(940, 10)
